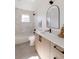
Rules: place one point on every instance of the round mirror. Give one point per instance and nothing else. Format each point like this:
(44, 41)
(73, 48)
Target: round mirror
(53, 17)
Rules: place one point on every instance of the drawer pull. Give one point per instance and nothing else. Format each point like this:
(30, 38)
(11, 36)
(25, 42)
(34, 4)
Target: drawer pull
(54, 57)
(40, 39)
(59, 50)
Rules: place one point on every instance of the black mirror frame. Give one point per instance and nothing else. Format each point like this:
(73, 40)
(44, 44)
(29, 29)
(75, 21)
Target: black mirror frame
(58, 17)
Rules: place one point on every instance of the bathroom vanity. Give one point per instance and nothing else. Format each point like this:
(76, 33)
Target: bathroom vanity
(49, 46)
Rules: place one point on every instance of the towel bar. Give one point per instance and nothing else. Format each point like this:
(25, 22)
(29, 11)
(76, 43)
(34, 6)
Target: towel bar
(58, 49)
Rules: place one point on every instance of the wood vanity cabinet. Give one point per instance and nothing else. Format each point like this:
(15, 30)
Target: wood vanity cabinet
(42, 48)
(55, 53)
(46, 49)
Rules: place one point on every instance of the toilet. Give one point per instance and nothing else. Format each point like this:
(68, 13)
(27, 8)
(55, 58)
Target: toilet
(32, 40)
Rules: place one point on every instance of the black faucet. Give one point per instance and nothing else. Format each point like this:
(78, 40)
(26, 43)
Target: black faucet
(50, 31)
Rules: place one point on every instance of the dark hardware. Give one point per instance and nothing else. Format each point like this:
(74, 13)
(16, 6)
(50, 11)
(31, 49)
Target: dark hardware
(34, 31)
(54, 57)
(50, 31)
(59, 50)
(51, 2)
(40, 38)
(33, 14)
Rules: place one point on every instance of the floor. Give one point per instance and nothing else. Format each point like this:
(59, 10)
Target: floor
(25, 51)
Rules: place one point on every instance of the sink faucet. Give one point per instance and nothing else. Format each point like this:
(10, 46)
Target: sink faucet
(49, 30)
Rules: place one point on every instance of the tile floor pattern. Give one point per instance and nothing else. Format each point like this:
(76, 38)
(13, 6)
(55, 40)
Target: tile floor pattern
(25, 51)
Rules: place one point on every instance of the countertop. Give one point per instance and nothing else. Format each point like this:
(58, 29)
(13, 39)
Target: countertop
(52, 37)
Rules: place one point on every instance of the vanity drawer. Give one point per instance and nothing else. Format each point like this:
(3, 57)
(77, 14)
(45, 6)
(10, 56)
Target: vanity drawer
(56, 52)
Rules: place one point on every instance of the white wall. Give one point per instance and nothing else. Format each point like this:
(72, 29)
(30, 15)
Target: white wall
(41, 12)
(40, 7)
(29, 4)
(23, 30)
(25, 4)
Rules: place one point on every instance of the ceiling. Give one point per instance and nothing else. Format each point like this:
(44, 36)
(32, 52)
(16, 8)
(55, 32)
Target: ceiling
(30, 4)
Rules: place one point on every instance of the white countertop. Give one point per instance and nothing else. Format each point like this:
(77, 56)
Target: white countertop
(52, 37)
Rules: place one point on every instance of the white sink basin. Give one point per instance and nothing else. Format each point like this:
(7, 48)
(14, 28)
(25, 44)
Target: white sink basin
(52, 34)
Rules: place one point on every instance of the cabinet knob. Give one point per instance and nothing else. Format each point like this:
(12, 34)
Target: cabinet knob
(54, 57)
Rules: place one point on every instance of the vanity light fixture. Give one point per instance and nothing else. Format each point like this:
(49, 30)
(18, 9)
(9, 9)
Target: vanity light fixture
(51, 2)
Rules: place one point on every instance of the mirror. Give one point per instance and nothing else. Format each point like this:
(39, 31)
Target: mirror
(53, 17)
(40, 23)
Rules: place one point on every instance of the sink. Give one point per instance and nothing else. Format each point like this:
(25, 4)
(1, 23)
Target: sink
(53, 37)
(53, 34)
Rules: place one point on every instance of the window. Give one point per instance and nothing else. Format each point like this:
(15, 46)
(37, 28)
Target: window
(25, 18)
